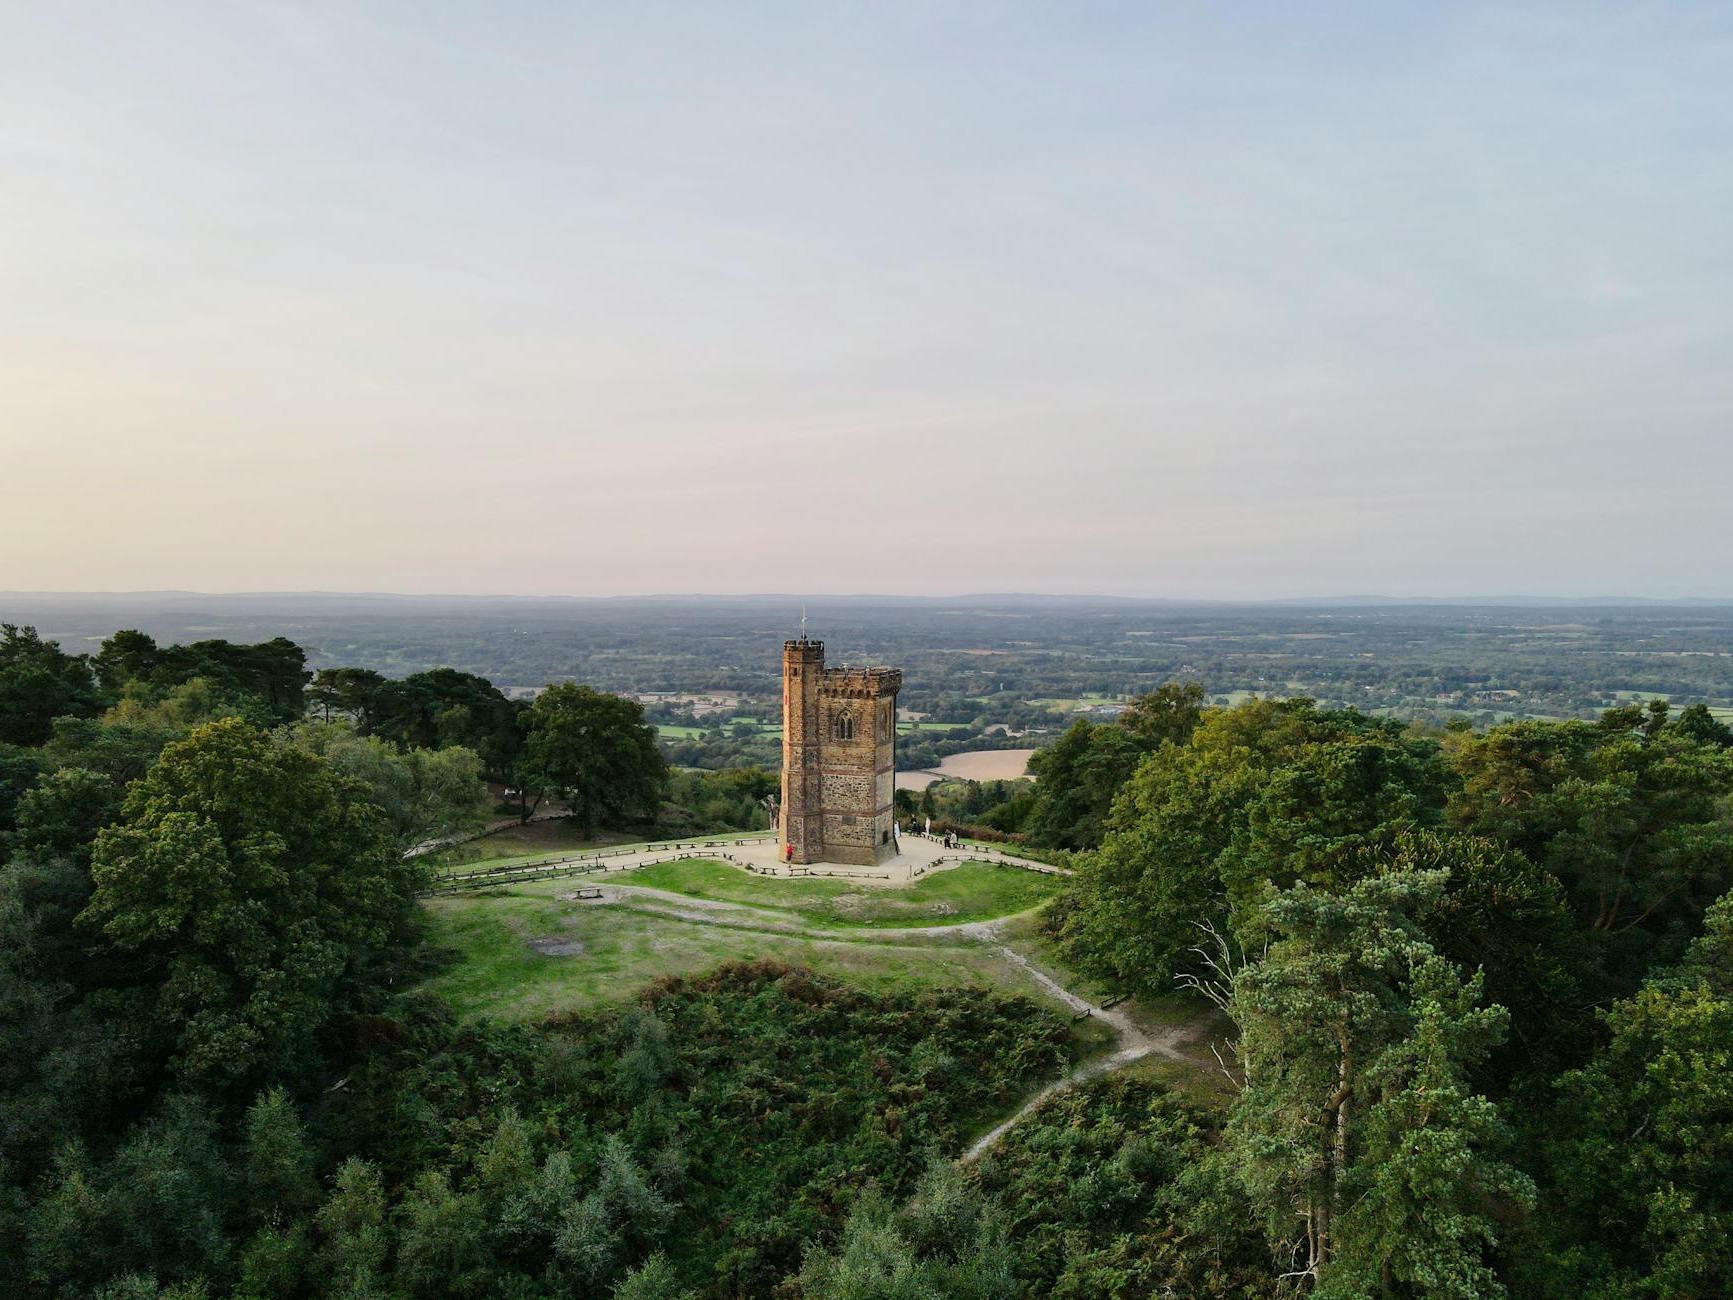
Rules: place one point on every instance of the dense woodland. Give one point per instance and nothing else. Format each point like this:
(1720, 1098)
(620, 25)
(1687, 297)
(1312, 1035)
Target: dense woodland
(1481, 980)
(1480, 983)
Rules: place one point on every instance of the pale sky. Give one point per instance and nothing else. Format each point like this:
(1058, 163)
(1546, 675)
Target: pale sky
(1171, 300)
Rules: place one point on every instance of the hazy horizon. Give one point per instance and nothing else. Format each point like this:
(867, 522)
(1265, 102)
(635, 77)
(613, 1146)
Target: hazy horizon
(1513, 599)
(1189, 304)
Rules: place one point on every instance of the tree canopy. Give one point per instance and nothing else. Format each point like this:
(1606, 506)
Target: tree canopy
(595, 752)
(1080, 774)
(39, 682)
(272, 672)
(250, 880)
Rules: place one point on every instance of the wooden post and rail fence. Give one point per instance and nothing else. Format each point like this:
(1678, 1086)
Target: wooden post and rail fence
(596, 861)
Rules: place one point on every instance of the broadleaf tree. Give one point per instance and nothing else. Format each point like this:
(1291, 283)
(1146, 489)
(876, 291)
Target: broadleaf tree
(253, 883)
(594, 752)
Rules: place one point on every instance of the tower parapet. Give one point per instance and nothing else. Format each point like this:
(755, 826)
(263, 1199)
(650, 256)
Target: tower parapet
(839, 741)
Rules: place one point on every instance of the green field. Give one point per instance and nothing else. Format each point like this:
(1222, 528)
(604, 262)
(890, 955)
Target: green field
(680, 731)
(523, 845)
(518, 843)
(973, 891)
(495, 972)
(607, 954)
(1074, 703)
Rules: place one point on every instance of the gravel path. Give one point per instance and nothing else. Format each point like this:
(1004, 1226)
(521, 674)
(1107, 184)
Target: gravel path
(744, 916)
(1133, 1041)
(919, 855)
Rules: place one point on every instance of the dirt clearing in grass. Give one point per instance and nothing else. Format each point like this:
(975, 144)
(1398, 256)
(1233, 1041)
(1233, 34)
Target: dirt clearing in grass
(558, 947)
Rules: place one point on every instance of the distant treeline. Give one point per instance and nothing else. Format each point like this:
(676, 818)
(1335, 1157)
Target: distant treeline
(991, 660)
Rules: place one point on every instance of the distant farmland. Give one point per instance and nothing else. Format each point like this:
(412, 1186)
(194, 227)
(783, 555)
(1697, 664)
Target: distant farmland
(973, 765)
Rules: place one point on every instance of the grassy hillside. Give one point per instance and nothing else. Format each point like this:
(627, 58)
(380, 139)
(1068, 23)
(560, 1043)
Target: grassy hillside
(974, 891)
(529, 951)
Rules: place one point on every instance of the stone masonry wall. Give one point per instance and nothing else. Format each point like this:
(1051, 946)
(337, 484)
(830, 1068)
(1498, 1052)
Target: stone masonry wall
(838, 758)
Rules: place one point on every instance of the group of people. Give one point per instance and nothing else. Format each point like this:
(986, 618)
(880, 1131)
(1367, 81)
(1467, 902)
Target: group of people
(949, 839)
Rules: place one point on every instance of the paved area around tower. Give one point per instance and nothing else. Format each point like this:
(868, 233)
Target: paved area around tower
(917, 855)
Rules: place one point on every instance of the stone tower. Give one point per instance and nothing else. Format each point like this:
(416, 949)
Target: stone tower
(839, 758)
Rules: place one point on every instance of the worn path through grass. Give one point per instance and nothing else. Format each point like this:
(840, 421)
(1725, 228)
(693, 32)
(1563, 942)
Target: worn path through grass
(622, 948)
(537, 949)
(973, 891)
(526, 950)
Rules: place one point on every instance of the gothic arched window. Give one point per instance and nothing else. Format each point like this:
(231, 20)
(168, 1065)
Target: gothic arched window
(842, 726)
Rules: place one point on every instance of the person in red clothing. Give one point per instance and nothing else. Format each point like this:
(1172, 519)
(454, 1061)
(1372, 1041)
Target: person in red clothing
(788, 853)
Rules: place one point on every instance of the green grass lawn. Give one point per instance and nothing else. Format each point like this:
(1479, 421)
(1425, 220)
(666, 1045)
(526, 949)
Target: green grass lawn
(971, 892)
(1200, 1081)
(535, 840)
(495, 971)
(1023, 935)
(678, 731)
(1052, 857)
(1072, 704)
(514, 848)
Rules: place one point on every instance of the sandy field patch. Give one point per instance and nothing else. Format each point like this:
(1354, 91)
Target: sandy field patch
(975, 765)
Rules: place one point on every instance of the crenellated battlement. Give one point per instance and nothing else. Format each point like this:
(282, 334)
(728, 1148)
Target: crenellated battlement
(861, 683)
